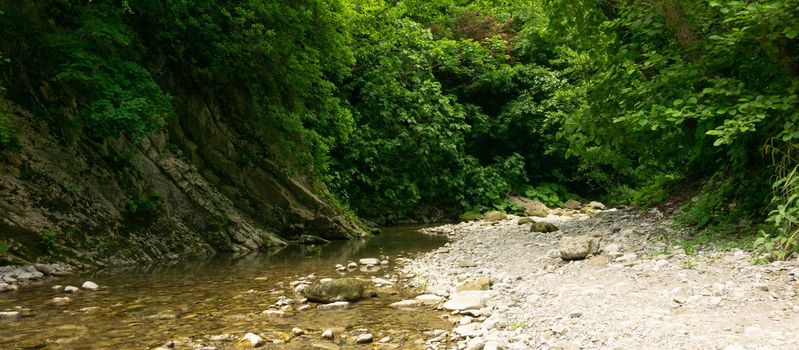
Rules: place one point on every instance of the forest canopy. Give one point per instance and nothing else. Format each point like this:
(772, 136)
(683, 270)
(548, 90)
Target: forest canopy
(409, 109)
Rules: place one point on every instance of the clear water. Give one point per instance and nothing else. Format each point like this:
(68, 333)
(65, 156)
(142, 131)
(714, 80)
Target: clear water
(191, 301)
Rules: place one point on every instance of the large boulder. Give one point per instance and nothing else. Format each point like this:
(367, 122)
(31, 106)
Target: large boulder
(532, 207)
(578, 247)
(342, 289)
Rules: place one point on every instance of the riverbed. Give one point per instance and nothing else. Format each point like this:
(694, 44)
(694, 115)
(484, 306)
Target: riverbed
(213, 302)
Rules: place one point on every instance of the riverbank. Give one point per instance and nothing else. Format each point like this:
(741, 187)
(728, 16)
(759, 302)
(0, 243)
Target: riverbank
(636, 292)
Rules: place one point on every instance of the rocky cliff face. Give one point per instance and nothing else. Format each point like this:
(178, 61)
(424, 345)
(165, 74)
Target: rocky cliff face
(181, 192)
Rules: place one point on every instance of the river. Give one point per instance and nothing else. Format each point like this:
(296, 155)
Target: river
(213, 302)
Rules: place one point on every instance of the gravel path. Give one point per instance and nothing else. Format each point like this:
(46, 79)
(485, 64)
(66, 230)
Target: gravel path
(643, 296)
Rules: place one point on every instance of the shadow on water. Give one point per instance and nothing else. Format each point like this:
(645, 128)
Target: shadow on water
(143, 307)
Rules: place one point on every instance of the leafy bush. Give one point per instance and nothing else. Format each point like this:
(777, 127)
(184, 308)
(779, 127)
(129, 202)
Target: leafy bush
(4, 247)
(48, 240)
(145, 204)
(553, 195)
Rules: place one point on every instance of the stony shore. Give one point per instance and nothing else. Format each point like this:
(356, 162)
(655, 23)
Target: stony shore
(508, 288)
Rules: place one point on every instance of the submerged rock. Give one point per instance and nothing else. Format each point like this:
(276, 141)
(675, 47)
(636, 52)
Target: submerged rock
(405, 304)
(328, 334)
(9, 315)
(369, 261)
(342, 289)
(578, 247)
(57, 301)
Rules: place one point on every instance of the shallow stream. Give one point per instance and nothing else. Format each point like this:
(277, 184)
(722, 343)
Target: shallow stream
(213, 302)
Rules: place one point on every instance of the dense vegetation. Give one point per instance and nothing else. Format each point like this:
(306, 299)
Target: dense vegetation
(409, 108)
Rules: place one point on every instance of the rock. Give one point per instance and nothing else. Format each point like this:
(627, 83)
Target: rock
(297, 331)
(57, 287)
(364, 338)
(70, 289)
(466, 320)
(429, 299)
(483, 283)
(89, 285)
(369, 261)
(384, 340)
(467, 264)
(5, 287)
(532, 207)
(523, 221)
(465, 300)
(734, 347)
(334, 306)
(9, 315)
(572, 204)
(352, 266)
(342, 289)
(596, 205)
(492, 345)
(493, 216)
(761, 286)
(467, 331)
(578, 247)
(57, 301)
(627, 257)
(328, 334)
(544, 227)
(559, 329)
(405, 304)
(252, 339)
(613, 249)
(475, 344)
(754, 332)
(340, 267)
(273, 313)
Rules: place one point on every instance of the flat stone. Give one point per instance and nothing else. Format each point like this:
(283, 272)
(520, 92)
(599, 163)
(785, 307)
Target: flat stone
(429, 299)
(405, 304)
(469, 330)
(339, 305)
(465, 300)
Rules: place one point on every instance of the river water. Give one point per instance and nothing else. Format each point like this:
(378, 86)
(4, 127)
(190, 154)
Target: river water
(213, 302)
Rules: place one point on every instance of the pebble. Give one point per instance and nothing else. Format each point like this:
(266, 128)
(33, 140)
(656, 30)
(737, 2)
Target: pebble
(71, 289)
(297, 331)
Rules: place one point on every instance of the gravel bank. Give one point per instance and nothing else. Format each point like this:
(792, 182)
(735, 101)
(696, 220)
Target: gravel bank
(637, 293)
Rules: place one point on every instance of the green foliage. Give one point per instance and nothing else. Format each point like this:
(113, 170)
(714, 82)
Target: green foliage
(4, 247)
(48, 240)
(146, 204)
(781, 240)
(553, 195)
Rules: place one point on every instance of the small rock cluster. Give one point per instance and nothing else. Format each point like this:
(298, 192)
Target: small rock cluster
(12, 276)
